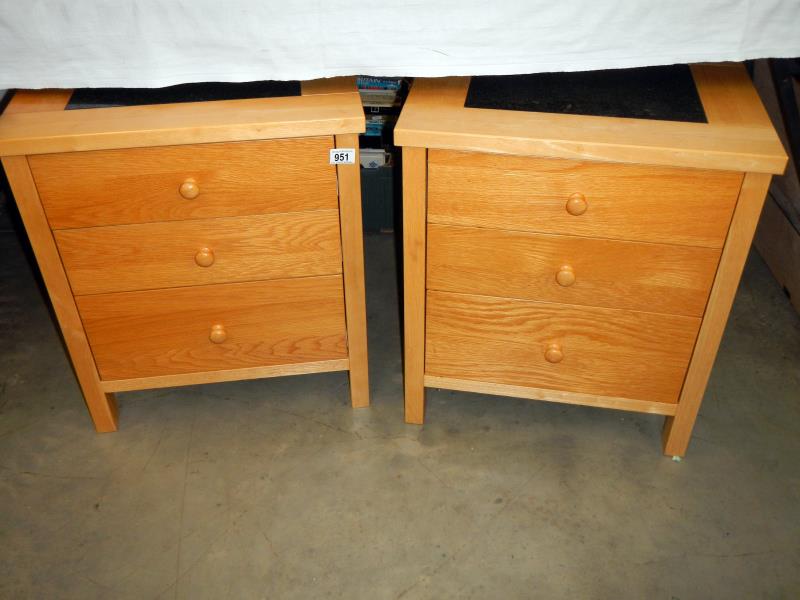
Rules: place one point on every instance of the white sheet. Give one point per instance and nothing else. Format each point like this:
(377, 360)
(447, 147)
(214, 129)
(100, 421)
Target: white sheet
(149, 43)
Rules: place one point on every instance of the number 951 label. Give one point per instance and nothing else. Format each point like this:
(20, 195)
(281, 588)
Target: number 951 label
(343, 156)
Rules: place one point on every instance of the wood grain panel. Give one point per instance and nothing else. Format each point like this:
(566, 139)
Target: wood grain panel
(631, 202)
(610, 273)
(113, 187)
(606, 352)
(166, 332)
(155, 255)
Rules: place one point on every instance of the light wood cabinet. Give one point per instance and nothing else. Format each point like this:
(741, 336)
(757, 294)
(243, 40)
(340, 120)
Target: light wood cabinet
(195, 242)
(578, 258)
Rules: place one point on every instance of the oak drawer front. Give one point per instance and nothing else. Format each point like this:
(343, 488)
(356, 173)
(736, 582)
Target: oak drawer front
(180, 253)
(571, 270)
(629, 202)
(139, 185)
(605, 352)
(210, 328)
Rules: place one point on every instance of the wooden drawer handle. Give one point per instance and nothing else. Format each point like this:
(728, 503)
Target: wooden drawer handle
(577, 205)
(218, 334)
(204, 257)
(565, 276)
(553, 354)
(189, 189)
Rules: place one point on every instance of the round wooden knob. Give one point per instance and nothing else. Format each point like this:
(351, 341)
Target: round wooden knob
(565, 276)
(577, 205)
(553, 354)
(204, 257)
(189, 189)
(218, 334)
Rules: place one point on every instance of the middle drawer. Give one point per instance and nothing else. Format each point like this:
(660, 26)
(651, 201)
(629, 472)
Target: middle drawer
(161, 255)
(572, 270)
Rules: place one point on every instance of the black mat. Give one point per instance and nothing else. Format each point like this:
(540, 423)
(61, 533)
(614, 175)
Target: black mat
(187, 92)
(661, 93)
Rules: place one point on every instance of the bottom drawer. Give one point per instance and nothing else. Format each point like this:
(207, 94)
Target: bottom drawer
(215, 327)
(605, 352)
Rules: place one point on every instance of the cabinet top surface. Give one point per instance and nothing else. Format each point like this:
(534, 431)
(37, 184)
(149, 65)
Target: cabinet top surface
(738, 135)
(36, 122)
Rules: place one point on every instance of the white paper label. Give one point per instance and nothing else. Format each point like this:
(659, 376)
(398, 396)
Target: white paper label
(343, 156)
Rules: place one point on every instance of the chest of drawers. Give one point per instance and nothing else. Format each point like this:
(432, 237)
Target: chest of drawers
(578, 258)
(195, 242)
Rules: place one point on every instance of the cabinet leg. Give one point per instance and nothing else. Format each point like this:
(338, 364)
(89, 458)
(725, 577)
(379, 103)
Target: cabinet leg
(675, 439)
(678, 429)
(103, 409)
(414, 401)
(102, 406)
(414, 247)
(353, 271)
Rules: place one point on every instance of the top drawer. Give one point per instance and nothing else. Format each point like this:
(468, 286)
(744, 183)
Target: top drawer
(139, 185)
(632, 202)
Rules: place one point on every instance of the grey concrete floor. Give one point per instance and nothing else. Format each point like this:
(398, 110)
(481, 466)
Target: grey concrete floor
(277, 489)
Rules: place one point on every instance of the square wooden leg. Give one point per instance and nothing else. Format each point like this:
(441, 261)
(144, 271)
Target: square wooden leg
(414, 244)
(678, 429)
(353, 269)
(102, 406)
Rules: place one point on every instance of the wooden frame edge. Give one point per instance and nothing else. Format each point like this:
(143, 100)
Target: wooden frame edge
(29, 101)
(678, 429)
(415, 192)
(102, 406)
(349, 184)
(433, 118)
(51, 131)
(162, 381)
(556, 396)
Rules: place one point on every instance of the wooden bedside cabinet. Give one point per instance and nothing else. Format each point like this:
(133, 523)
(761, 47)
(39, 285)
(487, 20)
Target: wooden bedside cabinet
(586, 258)
(195, 242)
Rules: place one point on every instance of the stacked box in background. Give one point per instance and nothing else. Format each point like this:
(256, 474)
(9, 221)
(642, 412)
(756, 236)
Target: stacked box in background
(382, 98)
(777, 238)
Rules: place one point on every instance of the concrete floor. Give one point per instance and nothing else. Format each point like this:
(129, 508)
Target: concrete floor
(277, 489)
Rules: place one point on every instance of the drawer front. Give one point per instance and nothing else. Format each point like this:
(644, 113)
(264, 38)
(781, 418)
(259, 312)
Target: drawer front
(605, 352)
(216, 327)
(179, 253)
(571, 270)
(140, 185)
(629, 202)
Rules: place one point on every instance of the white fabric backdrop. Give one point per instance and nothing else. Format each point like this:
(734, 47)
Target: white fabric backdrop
(149, 43)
